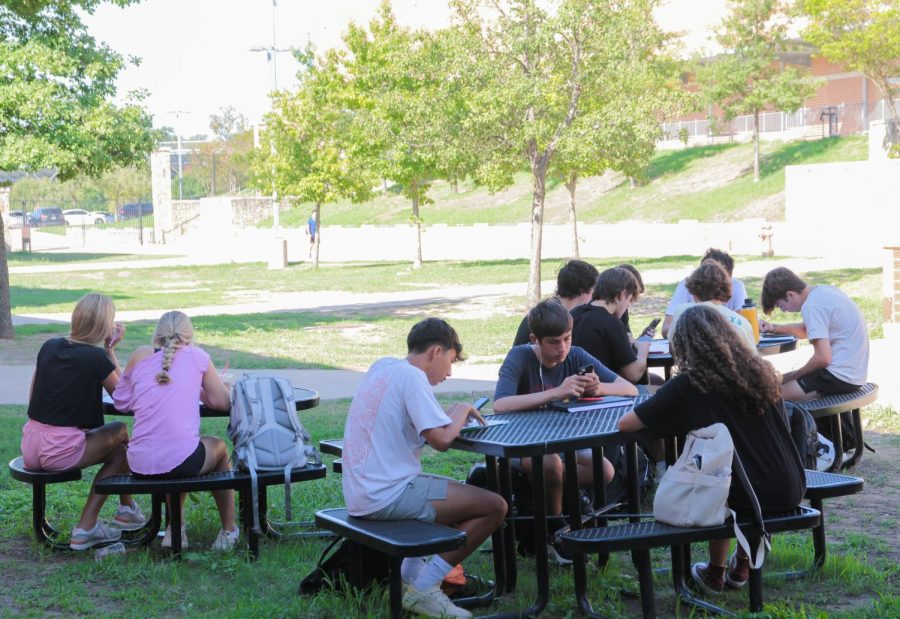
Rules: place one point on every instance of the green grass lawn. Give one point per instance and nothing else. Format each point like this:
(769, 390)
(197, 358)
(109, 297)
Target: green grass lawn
(708, 183)
(859, 580)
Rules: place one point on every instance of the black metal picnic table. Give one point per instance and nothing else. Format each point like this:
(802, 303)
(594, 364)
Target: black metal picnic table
(768, 345)
(535, 434)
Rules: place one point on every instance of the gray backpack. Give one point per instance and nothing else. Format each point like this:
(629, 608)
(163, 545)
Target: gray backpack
(266, 434)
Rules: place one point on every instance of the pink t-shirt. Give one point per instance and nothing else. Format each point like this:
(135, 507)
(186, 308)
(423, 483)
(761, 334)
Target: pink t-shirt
(166, 417)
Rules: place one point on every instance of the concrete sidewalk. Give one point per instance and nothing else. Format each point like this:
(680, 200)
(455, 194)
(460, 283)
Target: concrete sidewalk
(466, 379)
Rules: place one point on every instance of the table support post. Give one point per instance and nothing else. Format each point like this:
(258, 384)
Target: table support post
(542, 567)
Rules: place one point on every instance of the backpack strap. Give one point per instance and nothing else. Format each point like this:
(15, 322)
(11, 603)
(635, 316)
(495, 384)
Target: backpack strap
(758, 556)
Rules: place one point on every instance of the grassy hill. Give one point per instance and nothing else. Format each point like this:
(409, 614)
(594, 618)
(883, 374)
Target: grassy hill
(708, 183)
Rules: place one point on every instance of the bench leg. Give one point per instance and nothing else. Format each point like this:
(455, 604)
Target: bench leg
(599, 497)
(396, 588)
(837, 438)
(174, 513)
(245, 503)
(43, 530)
(818, 534)
(509, 531)
(755, 586)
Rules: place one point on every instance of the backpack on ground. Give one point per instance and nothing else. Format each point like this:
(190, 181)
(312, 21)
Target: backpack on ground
(803, 432)
(694, 491)
(266, 434)
(336, 570)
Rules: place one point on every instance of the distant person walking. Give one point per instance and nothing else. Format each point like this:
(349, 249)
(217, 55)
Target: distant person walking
(312, 227)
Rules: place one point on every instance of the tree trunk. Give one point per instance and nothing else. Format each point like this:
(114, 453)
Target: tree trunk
(539, 173)
(571, 183)
(756, 146)
(6, 327)
(455, 185)
(318, 235)
(417, 263)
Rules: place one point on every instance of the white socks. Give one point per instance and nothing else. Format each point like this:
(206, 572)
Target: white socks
(432, 574)
(411, 567)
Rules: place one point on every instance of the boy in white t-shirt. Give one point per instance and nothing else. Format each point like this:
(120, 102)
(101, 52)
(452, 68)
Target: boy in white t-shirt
(682, 295)
(835, 327)
(393, 415)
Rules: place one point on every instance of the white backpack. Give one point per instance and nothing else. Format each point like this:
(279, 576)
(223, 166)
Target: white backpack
(266, 434)
(694, 491)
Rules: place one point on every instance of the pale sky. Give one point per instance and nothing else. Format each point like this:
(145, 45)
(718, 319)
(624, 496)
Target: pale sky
(195, 54)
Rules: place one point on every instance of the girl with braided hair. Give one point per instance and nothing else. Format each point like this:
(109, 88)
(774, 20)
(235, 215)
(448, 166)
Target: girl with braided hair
(721, 379)
(162, 385)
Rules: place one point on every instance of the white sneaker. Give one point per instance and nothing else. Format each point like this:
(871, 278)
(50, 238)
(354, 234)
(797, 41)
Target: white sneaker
(129, 518)
(167, 538)
(431, 603)
(226, 540)
(556, 555)
(99, 534)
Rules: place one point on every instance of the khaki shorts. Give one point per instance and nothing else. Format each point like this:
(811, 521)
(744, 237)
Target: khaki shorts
(414, 503)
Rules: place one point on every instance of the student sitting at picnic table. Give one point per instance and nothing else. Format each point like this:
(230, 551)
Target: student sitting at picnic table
(534, 375)
(599, 330)
(720, 379)
(835, 327)
(65, 428)
(625, 318)
(392, 416)
(574, 286)
(682, 295)
(710, 285)
(163, 385)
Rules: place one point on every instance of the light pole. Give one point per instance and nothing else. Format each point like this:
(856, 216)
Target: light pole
(272, 52)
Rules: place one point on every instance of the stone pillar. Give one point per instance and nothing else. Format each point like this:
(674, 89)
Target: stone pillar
(4, 210)
(161, 187)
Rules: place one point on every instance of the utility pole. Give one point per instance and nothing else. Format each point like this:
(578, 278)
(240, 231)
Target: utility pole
(178, 114)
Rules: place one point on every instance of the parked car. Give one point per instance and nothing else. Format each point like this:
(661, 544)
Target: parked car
(47, 216)
(17, 219)
(81, 217)
(135, 209)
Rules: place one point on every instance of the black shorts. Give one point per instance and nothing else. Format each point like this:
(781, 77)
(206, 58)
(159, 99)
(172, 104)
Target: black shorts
(825, 383)
(191, 466)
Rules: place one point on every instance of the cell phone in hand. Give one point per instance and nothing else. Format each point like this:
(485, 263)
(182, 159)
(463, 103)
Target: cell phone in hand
(480, 402)
(586, 369)
(649, 328)
(116, 336)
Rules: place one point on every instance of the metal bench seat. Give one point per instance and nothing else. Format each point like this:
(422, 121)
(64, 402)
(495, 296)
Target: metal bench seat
(223, 480)
(639, 537)
(332, 446)
(395, 538)
(39, 480)
(820, 486)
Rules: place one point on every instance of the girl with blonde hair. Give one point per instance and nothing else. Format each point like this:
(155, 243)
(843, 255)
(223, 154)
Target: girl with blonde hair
(162, 385)
(721, 379)
(65, 428)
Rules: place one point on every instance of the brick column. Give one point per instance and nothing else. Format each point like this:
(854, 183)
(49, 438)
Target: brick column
(891, 292)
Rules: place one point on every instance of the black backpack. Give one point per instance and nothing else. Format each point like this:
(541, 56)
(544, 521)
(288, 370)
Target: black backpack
(803, 432)
(335, 571)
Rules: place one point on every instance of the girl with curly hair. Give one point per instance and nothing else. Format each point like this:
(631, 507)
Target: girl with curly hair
(163, 386)
(721, 379)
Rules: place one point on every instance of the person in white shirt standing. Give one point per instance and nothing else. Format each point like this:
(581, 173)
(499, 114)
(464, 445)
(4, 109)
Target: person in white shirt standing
(835, 327)
(393, 415)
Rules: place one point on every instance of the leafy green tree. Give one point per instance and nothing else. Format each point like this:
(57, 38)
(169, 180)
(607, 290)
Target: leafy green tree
(307, 143)
(56, 87)
(862, 35)
(749, 77)
(534, 73)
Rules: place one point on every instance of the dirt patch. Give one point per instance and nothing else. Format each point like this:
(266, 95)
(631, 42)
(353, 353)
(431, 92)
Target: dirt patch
(770, 208)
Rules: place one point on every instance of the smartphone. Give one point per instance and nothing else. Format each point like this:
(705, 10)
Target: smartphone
(586, 369)
(116, 336)
(480, 402)
(650, 327)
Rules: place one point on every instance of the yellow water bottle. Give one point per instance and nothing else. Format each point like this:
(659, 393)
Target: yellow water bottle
(749, 312)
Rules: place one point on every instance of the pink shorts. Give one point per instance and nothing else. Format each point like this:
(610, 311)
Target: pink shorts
(51, 448)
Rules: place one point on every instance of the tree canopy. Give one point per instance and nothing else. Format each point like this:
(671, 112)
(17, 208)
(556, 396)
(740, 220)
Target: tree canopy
(748, 77)
(57, 85)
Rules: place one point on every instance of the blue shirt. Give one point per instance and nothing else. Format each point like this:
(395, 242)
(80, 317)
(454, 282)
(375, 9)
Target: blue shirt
(522, 373)
(311, 226)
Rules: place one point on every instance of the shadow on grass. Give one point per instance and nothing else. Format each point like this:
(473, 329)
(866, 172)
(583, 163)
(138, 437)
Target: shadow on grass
(676, 161)
(17, 258)
(793, 153)
(21, 296)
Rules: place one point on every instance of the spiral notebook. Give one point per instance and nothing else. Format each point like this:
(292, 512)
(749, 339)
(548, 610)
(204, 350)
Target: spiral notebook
(591, 404)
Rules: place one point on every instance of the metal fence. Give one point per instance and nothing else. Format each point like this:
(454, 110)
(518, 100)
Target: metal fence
(823, 121)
